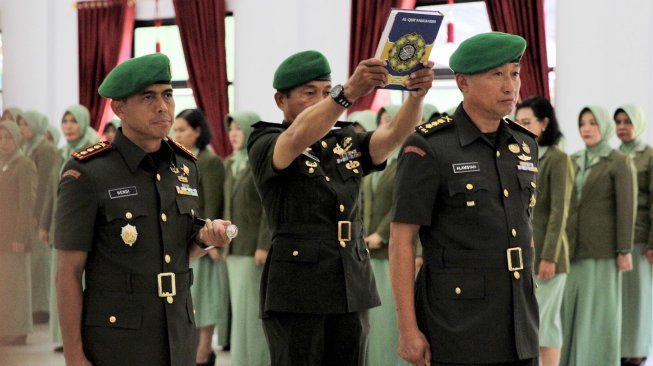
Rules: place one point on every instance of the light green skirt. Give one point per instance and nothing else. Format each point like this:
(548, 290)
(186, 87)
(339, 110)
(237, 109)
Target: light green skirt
(591, 314)
(15, 295)
(210, 293)
(40, 264)
(383, 336)
(549, 299)
(637, 313)
(248, 344)
(55, 330)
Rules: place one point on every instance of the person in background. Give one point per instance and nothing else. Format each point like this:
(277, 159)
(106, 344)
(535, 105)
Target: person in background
(33, 125)
(77, 130)
(210, 288)
(637, 316)
(52, 135)
(247, 252)
(18, 181)
(110, 129)
(430, 112)
(554, 185)
(363, 120)
(11, 114)
(600, 230)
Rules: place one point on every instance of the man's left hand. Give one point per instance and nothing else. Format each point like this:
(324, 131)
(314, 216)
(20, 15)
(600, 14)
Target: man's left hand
(422, 80)
(214, 233)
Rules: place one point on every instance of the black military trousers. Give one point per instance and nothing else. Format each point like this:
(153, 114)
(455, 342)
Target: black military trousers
(316, 339)
(527, 362)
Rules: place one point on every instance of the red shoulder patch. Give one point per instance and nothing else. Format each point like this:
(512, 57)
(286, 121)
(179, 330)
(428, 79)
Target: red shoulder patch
(91, 150)
(182, 149)
(414, 149)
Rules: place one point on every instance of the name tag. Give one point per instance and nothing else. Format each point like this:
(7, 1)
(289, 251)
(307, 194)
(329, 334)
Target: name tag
(122, 192)
(466, 167)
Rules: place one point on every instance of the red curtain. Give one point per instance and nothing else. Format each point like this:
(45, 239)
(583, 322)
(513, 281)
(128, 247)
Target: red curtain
(201, 26)
(100, 30)
(525, 18)
(367, 21)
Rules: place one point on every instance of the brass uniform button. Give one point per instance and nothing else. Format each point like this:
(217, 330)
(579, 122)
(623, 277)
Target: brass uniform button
(324, 144)
(342, 208)
(498, 153)
(505, 193)
(164, 218)
(128, 215)
(343, 244)
(158, 177)
(192, 212)
(167, 258)
(170, 300)
(517, 275)
(295, 253)
(112, 319)
(311, 170)
(327, 178)
(514, 233)
(469, 186)
(471, 203)
(458, 290)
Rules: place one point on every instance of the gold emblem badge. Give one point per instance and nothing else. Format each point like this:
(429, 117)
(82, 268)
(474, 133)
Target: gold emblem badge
(532, 202)
(129, 234)
(524, 157)
(174, 169)
(514, 148)
(352, 164)
(526, 148)
(182, 179)
(185, 169)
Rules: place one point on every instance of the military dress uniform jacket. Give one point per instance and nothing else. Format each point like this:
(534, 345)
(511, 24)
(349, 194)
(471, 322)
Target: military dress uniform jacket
(18, 182)
(134, 217)
(643, 161)
(473, 200)
(45, 156)
(555, 183)
(243, 206)
(602, 222)
(318, 262)
(377, 205)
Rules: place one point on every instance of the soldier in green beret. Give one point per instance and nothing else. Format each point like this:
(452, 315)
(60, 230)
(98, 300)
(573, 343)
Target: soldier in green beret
(466, 183)
(126, 219)
(317, 283)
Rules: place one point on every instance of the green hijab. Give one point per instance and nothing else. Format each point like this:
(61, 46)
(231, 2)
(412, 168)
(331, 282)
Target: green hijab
(392, 110)
(54, 132)
(636, 115)
(365, 118)
(586, 158)
(38, 123)
(15, 112)
(245, 120)
(87, 135)
(14, 131)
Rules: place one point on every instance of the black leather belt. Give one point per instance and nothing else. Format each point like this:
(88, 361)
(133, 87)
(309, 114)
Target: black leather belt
(341, 230)
(165, 284)
(511, 259)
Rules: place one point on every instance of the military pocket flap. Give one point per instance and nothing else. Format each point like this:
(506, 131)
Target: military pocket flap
(187, 206)
(459, 286)
(115, 312)
(467, 185)
(126, 210)
(527, 180)
(288, 250)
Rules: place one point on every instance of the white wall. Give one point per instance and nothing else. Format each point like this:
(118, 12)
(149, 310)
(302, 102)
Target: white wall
(605, 57)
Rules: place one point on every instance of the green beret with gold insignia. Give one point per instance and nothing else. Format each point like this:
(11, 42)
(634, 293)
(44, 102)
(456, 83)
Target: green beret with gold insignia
(485, 51)
(301, 68)
(134, 75)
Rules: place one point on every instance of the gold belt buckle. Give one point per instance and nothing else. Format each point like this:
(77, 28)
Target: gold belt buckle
(347, 230)
(511, 267)
(173, 286)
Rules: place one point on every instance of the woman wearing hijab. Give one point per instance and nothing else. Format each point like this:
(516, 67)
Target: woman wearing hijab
(210, 288)
(248, 251)
(11, 114)
(637, 297)
(600, 230)
(52, 135)
(555, 182)
(18, 182)
(44, 155)
(77, 130)
(110, 129)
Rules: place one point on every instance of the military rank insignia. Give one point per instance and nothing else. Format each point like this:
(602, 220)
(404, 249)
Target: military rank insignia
(129, 234)
(430, 127)
(90, 150)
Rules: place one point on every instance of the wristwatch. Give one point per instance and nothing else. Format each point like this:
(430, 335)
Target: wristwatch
(338, 94)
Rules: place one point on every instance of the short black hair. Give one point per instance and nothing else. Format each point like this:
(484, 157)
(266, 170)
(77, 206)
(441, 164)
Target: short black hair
(195, 119)
(542, 109)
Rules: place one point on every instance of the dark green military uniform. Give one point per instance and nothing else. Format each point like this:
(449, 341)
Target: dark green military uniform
(473, 199)
(318, 262)
(133, 213)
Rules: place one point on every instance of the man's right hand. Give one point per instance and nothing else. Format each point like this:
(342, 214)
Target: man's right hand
(414, 348)
(369, 74)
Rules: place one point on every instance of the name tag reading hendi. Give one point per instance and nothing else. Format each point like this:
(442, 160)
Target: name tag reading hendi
(123, 192)
(466, 167)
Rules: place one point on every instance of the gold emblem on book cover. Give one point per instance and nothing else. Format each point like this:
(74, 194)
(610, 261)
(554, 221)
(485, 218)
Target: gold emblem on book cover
(407, 52)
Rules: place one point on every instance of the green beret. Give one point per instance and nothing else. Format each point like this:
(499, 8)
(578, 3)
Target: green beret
(134, 75)
(301, 68)
(485, 51)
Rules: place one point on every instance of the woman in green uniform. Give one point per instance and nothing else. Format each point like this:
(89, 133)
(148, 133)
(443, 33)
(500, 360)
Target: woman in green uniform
(249, 250)
(555, 182)
(17, 193)
(600, 230)
(637, 289)
(210, 290)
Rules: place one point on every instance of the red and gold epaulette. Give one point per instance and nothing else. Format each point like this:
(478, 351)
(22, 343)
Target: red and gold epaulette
(429, 127)
(91, 150)
(182, 149)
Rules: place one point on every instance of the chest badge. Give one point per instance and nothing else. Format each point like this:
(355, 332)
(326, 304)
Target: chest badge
(514, 148)
(311, 166)
(129, 234)
(182, 179)
(526, 148)
(523, 157)
(185, 169)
